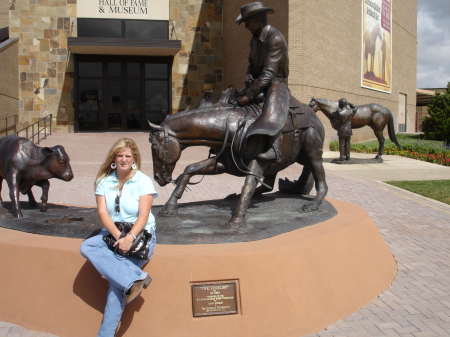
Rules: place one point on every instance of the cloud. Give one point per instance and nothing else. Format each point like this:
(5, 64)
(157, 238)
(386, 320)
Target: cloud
(433, 31)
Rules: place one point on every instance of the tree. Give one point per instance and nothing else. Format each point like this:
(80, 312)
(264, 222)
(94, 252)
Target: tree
(437, 126)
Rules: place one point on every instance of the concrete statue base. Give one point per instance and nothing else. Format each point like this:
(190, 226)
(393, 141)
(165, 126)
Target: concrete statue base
(358, 161)
(288, 283)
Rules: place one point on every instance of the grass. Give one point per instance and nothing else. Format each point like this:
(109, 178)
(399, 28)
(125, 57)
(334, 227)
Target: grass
(434, 189)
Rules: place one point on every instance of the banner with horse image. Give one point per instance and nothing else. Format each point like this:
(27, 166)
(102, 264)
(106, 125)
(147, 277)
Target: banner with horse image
(376, 70)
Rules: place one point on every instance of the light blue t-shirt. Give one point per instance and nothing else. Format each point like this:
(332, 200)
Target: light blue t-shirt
(138, 185)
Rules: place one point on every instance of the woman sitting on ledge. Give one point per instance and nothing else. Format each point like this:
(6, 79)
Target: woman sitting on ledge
(123, 194)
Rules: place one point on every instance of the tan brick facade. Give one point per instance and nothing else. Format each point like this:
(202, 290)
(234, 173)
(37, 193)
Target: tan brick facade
(325, 47)
(237, 38)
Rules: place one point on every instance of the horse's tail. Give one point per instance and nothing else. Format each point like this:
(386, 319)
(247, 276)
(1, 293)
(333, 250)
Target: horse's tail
(391, 130)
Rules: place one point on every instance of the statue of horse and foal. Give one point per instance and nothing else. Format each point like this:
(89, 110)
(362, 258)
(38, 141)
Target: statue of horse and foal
(374, 115)
(220, 126)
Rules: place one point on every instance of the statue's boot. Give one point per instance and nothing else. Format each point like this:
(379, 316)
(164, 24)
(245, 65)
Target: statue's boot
(274, 152)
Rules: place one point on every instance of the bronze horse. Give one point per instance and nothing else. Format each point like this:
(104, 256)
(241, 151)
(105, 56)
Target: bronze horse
(374, 115)
(219, 127)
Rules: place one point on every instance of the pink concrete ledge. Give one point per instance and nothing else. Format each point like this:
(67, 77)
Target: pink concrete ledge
(289, 285)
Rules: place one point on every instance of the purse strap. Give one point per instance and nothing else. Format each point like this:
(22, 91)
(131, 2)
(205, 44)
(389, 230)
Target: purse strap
(135, 242)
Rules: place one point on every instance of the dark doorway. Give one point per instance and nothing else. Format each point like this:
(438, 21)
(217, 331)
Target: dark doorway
(121, 93)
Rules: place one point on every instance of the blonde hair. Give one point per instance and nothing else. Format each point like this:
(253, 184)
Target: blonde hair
(120, 145)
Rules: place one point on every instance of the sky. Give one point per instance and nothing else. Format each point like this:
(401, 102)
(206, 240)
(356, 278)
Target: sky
(433, 50)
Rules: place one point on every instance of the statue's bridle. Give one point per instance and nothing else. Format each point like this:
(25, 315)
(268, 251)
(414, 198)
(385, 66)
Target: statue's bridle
(165, 141)
(210, 160)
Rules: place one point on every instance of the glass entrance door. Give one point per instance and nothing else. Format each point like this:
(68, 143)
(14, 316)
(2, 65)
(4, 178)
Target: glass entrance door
(118, 93)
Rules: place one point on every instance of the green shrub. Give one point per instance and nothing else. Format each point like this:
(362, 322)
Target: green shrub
(437, 125)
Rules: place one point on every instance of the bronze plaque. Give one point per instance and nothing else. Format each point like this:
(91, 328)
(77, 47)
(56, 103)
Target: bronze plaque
(209, 299)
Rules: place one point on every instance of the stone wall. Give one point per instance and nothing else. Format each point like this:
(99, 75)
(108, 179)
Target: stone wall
(9, 83)
(4, 13)
(45, 74)
(198, 65)
(46, 66)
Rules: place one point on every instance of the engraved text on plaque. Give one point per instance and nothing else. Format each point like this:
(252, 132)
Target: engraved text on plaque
(214, 299)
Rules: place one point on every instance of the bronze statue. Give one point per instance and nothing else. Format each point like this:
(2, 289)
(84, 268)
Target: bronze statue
(266, 76)
(374, 115)
(257, 134)
(342, 118)
(23, 165)
(221, 128)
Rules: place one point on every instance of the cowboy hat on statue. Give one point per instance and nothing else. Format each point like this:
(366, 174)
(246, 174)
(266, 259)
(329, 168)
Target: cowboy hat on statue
(252, 9)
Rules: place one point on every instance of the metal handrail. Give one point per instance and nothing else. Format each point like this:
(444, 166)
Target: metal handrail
(47, 123)
(7, 127)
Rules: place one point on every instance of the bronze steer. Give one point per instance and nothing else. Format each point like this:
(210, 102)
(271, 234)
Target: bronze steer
(24, 165)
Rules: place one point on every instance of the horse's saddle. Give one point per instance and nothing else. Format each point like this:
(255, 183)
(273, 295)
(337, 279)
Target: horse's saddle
(297, 119)
(300, 120)
(294, 105)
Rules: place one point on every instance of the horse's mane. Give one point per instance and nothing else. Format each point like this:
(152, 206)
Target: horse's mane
(205, 105)
(196, 111)
(324, 100)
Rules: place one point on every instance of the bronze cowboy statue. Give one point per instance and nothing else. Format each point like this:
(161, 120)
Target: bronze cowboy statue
(267, 76)
(342, 119)
(255, 135)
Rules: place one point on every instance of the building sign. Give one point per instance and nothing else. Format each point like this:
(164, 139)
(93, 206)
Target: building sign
(124, 9)
(376, 70)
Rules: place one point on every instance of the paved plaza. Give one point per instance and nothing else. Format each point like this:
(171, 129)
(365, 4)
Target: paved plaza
(416, 229)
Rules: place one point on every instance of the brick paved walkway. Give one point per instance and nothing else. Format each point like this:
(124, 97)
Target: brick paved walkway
(416, 229)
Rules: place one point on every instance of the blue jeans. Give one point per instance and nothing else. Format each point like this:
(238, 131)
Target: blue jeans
(121, 272)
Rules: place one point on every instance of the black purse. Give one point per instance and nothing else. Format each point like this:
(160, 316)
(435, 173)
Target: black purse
(139, 249)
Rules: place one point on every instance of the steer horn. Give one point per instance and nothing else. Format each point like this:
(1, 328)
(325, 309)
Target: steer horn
(155, 127)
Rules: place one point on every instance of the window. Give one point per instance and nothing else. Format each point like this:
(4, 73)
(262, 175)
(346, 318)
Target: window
(117, 93)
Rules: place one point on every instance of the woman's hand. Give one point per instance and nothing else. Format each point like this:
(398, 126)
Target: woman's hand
(145, 205)
(124, 243)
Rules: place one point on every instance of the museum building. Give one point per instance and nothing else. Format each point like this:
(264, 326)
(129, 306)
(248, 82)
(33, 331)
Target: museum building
(111, 65)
